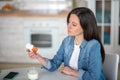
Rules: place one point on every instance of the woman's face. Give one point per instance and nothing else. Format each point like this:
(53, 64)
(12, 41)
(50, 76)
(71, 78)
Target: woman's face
(74, 27)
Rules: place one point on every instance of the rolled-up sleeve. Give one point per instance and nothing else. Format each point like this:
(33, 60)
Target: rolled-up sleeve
(53, 64)
(80, 73)
(48, 66)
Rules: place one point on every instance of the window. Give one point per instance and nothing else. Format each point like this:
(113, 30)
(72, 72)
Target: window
(103, 17)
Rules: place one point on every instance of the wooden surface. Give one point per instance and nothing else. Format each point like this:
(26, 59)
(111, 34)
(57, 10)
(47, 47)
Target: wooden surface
(17, 65)
(19, 13)
(23, 65)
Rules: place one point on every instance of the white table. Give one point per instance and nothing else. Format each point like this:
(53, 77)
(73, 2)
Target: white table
(43, 74)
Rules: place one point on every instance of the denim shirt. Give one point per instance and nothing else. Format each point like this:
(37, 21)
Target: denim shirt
(89, 61)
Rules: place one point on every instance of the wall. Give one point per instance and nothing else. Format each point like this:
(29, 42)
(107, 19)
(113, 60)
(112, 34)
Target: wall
(12, 37)
(12, 44)
(12, 41)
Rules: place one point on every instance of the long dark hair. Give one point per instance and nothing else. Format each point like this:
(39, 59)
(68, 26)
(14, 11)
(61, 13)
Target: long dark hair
(89, 25)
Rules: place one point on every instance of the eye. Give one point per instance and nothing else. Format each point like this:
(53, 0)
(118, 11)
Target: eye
(74, 24)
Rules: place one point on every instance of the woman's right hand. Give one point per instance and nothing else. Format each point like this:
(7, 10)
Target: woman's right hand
(36, 56)
(32, 54)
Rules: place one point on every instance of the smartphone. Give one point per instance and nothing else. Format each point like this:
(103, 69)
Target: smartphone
(10, 76)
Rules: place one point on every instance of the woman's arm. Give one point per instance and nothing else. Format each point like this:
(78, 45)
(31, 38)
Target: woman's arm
(53, 64)
(38, 57)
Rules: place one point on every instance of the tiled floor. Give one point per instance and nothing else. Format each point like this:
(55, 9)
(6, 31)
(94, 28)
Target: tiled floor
(18, 65)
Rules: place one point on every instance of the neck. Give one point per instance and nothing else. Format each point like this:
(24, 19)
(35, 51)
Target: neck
(78, 39)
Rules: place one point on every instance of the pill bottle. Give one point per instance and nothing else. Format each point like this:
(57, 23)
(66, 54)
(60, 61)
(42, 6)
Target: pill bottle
(32, 48)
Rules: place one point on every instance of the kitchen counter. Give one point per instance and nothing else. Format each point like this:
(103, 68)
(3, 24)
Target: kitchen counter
(20, 13)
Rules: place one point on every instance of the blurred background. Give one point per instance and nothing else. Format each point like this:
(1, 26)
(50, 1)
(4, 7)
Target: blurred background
(43, 24)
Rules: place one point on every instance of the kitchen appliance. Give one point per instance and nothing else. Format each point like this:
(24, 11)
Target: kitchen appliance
(43, 35)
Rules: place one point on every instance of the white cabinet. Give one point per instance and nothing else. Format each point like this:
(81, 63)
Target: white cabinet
(13, 36)
(11, 39)
(48, 22)
(45, 33)
(107, 13)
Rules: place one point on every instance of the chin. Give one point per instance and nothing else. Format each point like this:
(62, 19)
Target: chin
(71, 35)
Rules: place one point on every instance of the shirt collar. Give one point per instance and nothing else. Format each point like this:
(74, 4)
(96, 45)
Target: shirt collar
(83, 44)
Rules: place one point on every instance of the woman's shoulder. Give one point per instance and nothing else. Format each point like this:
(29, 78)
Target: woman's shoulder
(68, 38)
(90, 43)
(93, 42)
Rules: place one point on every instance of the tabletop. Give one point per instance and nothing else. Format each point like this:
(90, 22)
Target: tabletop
(42, 74)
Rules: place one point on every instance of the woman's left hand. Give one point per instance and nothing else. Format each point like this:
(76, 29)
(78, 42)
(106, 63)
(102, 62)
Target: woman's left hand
(66, 70)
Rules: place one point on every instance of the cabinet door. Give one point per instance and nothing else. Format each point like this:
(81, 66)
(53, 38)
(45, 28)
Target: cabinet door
(11, 39)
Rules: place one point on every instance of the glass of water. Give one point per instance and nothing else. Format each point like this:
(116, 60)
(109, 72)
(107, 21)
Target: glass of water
(32, 74)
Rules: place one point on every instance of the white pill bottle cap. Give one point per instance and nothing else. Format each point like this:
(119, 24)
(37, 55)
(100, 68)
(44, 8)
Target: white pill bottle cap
(29, 46)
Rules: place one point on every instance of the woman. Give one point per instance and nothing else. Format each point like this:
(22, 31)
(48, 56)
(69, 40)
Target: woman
(81, 51)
